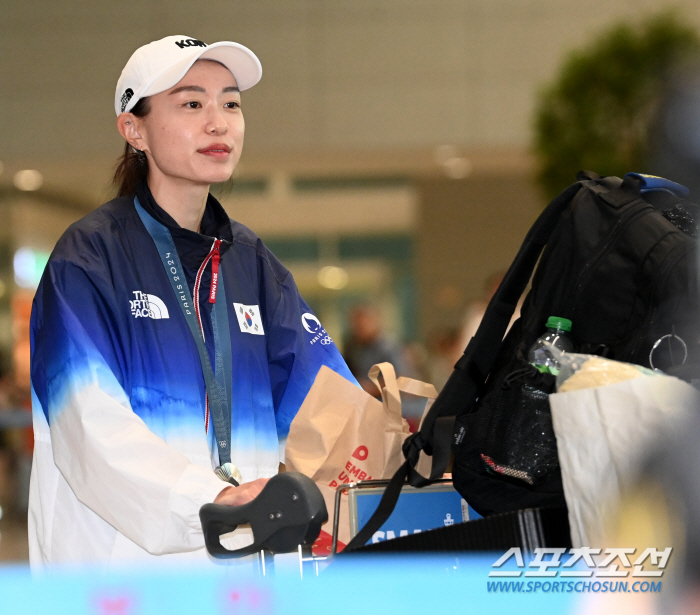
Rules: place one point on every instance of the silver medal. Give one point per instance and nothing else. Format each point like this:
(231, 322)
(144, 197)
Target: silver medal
(229, 473)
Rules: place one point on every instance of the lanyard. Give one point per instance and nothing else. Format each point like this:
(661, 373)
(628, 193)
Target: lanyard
(218, 380)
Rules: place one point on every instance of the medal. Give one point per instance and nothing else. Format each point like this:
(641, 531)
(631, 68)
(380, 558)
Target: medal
(229, 473)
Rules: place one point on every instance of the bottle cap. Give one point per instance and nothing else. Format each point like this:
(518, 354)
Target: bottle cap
(556, 322)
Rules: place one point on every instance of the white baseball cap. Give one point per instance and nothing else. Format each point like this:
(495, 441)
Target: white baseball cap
(158, 66)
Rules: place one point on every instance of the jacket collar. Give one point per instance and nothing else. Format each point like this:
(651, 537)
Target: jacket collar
(215, 222)
(192, 247)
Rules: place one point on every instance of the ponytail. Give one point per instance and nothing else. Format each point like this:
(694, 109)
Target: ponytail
(132, 166)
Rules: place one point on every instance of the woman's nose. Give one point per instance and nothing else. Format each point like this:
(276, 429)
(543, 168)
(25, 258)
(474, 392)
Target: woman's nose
(216, 123)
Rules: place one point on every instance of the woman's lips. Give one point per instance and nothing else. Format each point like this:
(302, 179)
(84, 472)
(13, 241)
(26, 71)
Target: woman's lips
(218, 150)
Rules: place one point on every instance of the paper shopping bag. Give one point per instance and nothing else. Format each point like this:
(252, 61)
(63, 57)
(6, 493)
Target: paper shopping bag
(342, 434)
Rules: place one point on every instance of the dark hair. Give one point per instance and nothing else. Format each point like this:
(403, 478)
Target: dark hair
(132, 166)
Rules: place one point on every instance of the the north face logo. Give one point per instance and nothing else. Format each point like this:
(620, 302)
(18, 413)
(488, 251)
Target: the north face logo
(148, 306)
(190, 42)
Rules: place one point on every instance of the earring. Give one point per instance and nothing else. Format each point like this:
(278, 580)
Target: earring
(139, 153)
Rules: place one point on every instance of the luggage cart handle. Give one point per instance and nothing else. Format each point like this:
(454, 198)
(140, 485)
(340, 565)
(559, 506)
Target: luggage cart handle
(288, 512)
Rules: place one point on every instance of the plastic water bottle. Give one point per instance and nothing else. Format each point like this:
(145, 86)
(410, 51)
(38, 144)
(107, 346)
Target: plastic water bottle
(557, 335)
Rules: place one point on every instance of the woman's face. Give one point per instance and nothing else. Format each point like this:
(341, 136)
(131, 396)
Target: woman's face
(194, 131)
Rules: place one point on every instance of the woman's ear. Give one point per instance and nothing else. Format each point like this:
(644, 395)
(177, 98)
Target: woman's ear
(127, 126)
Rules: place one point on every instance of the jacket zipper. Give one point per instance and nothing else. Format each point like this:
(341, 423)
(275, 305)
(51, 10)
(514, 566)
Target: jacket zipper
(214, 271)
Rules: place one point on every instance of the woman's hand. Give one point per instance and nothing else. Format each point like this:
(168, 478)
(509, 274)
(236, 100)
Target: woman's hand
(235, 496)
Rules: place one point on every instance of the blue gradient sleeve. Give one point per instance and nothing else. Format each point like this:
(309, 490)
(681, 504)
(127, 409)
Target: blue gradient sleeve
(298, 345)
(73, 342)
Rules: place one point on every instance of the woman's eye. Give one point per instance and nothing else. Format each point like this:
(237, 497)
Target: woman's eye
(193, 104)
(233, 105)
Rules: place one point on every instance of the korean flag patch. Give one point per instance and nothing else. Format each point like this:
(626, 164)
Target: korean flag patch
(249, 318)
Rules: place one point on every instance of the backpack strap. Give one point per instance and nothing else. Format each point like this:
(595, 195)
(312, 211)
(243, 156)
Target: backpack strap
(465, 384)
(472, 369)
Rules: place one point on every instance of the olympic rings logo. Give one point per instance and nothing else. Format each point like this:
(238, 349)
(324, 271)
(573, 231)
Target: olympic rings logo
(326, 341)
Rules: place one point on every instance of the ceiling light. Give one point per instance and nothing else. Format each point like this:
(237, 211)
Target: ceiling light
(457, 167)
(28, 180)
(334, 278)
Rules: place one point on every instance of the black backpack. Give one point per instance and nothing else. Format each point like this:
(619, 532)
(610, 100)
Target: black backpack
(621, 263)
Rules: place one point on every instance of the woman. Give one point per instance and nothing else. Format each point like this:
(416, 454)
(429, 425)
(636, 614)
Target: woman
(167, 341)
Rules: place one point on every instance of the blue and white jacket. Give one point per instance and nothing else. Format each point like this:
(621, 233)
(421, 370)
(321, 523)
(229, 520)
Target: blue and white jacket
(124, 449)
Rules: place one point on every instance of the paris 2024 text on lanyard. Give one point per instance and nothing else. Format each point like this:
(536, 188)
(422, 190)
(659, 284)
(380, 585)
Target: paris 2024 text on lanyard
(217, 380)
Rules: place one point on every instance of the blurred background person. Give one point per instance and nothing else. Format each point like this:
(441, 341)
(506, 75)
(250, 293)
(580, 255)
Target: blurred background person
(474, 314)
(367, 344)
(443, 347)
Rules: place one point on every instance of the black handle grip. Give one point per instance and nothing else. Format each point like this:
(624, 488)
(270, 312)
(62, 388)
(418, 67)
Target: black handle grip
(288, 512)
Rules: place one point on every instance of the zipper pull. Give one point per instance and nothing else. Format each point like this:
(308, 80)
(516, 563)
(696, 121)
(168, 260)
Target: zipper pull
(214, 271)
